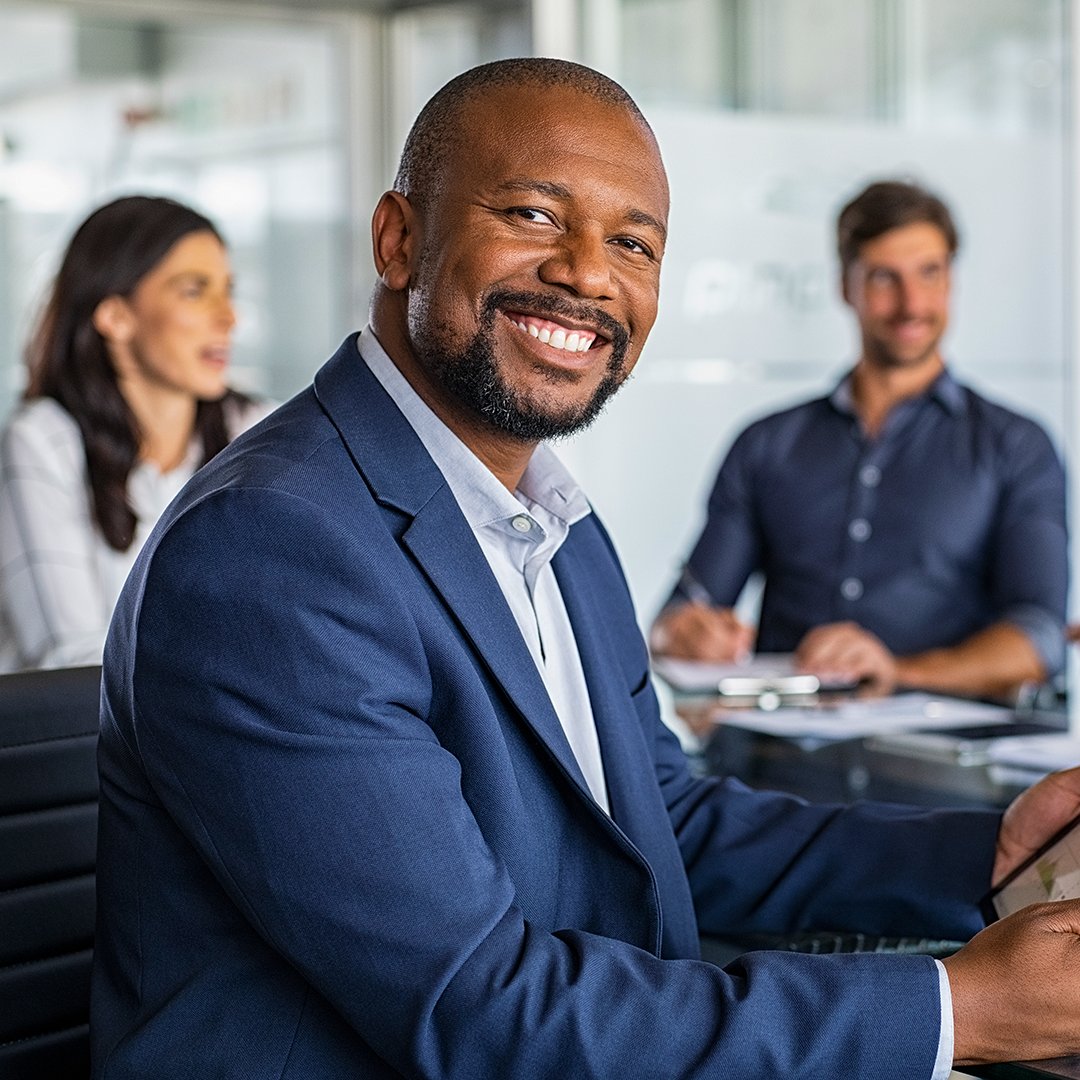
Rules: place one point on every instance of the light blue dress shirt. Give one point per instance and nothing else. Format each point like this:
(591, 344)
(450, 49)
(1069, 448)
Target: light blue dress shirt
(519, 534)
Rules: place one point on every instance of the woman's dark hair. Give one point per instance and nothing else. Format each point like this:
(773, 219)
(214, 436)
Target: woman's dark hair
(110, 253)
(885, 205)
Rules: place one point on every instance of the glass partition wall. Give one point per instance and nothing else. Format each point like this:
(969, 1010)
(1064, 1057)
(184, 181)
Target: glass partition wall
(285, 123)
(281, 123)
(243, 118)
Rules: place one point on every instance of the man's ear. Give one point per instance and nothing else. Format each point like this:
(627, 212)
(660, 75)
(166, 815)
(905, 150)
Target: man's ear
(114, 320)
(394, 238)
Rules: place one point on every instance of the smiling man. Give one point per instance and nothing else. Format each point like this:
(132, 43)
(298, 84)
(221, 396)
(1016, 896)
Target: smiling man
(385, 791)
(911, 533)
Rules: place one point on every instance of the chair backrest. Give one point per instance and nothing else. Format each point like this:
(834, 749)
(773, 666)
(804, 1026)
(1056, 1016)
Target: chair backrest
(48, 839)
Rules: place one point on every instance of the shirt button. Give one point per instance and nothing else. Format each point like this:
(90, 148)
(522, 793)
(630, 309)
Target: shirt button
(859, 529)
(869, 476)
(851, 588)
(522, 524)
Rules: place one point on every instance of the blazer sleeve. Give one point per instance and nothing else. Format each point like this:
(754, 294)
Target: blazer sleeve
(280, 712)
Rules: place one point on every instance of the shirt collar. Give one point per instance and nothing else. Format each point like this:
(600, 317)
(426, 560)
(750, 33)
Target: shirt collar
(944, 389)
(483, 499)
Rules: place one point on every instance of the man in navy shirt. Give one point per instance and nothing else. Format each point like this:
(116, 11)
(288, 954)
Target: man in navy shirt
(911, 532)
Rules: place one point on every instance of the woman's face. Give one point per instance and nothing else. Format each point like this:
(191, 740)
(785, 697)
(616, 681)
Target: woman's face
(173, 332)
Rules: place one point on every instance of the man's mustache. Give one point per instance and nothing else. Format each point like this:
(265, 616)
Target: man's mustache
(554, 305)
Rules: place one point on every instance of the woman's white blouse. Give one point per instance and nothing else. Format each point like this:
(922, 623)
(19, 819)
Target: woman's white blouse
(59, 579)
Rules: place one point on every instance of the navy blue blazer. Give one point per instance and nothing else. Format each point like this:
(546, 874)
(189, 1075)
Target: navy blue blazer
(342, 833)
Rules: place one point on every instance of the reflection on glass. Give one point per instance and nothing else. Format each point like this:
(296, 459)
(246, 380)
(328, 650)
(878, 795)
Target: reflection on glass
(933, 63)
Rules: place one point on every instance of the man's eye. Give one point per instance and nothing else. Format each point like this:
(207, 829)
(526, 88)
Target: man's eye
(631, 244)
(530, 213)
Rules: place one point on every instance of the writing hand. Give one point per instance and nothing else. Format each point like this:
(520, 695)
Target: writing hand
(697, 632)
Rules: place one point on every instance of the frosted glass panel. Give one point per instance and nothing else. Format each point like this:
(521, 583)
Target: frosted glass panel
(433, 43)
(244, 121)
(938, 63)
(995, 64)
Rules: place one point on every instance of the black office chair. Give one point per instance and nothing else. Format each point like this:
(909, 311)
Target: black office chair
(48, 838)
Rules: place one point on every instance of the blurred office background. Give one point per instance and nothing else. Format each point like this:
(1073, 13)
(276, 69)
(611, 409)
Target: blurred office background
(284, 122)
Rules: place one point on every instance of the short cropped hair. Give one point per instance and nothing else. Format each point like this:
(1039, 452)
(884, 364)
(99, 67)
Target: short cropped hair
(885, 205)
(434, 134)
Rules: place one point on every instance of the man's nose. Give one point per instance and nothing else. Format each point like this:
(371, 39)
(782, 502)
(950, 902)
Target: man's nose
(914, 296)
(581, 263)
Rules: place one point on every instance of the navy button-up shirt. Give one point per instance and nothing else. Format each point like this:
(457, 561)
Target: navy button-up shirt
(950, 519)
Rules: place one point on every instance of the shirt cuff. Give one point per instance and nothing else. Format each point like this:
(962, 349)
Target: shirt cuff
(944, 1060)
(1046, 633)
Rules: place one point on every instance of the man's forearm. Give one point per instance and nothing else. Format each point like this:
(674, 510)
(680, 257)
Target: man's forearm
(994, 662)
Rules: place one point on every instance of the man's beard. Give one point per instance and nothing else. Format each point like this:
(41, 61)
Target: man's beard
(473, 377)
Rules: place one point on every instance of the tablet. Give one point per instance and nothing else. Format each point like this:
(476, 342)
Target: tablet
(1052, 873)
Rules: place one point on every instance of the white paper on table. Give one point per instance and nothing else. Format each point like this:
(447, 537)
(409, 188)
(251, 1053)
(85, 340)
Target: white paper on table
(1039, 753)
(858, 719)
(695, 676)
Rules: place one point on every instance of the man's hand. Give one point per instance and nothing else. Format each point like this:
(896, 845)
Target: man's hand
(1033, 817)
(1016, 987)
(698, 632)
(845, 652)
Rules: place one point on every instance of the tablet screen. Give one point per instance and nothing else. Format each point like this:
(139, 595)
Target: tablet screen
(1052, 874)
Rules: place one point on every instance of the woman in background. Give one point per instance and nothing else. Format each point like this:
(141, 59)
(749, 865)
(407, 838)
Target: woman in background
(126, 399)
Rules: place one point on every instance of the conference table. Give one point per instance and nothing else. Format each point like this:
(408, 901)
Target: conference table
(839, 746)
(958, 766)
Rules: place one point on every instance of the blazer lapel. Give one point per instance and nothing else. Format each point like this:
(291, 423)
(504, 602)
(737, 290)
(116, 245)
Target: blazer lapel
(402, 475)
(621, 742)
(587, 576)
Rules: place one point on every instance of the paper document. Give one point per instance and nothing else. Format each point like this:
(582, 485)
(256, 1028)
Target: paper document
(857, 719)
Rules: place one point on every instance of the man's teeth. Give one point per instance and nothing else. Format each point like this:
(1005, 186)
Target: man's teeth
(559, 339)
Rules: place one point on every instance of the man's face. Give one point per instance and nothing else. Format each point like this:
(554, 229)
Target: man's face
(539, 267)
(899, 290)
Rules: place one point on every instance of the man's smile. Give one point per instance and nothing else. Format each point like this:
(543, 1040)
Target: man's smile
(557, 335)
(911, 327)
